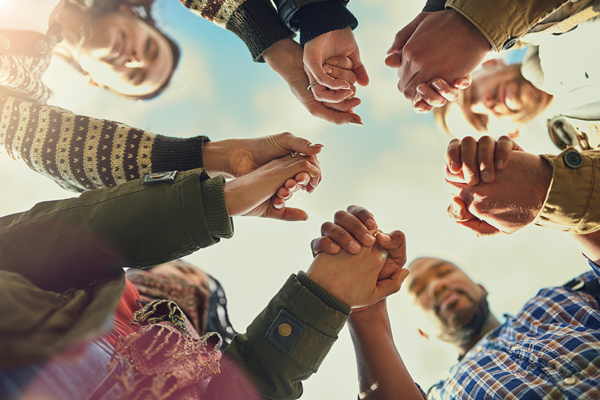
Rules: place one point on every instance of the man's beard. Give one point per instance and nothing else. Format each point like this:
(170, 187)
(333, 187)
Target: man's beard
(459, 332)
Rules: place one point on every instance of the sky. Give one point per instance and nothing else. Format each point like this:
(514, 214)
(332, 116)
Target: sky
(393, 165)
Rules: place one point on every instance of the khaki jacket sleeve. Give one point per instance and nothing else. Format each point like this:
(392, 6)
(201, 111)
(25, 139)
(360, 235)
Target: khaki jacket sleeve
(69, 243)
(283, 346)
(502, 22)
(573, 200)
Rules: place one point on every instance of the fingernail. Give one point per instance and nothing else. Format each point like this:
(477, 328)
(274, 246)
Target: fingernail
(355, 121)
(422, 90)
(371, 224)
(303, 182)
(354, 246)
(316, 145)
(334, 247)
(279, 206)
(333, 62)
(486, 176)
(385, 237)
(437, 85)
(369, 238)
(454, 166)
(499, 164)
(327, 69)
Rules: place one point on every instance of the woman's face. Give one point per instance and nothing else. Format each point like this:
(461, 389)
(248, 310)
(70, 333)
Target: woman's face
(122, 52)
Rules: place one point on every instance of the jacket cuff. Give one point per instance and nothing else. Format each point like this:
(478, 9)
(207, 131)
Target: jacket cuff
(434, 5)
(217, 217)
(574, 192)
(316, 19)
(503, 22)
(176, 154)
(320, 292)
(257, 23)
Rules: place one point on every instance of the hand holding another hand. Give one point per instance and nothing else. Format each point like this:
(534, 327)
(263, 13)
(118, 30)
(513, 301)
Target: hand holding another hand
(373, 281)
(440, 44)
(260, 192)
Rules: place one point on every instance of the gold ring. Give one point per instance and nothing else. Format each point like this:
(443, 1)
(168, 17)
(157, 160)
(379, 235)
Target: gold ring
(293, 154)
(374, 234)
(311, 85)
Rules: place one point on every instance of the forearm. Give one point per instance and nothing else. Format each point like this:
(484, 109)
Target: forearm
(68, 243)
(256, 22)
(82, 153)
(504, 21)
(381, 371)
(571, 203)
(273, 357)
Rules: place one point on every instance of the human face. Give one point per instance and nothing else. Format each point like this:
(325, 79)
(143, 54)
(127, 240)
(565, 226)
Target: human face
(449, 296)
(500, 99)
(122, 52)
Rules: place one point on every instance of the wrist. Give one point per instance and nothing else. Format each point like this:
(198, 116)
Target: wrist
(216, 158)
(283, 56)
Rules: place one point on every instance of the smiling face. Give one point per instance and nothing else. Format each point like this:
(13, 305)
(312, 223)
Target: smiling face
(122, 52)
(456, 303)
(499, 99)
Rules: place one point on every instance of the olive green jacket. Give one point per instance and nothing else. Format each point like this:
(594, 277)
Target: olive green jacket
(61, 277)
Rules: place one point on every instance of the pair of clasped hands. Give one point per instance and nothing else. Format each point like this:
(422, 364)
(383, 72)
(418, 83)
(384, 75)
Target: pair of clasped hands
(425, 53)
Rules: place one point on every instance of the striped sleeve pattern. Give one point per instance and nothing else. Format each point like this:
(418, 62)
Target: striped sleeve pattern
(82, 153)
(256, 22)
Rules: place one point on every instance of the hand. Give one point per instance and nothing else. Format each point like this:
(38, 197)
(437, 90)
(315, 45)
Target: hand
(238, 157)
(437, 92)
(349, 230)
(253, 194)
(356, 279)
(440, 44)
(285, 58)
(512, 201)
(340, 42)
(479, 159)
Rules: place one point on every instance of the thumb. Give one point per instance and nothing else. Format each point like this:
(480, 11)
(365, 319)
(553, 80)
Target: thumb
(292, 142)
(313, 61)
(362, 78)
(394, 60)
(391, 285)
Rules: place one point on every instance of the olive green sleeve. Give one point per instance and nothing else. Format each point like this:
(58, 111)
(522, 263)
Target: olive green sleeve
(68, 243)
(283, 346)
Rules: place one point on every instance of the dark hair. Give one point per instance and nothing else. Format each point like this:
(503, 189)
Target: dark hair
(143, 8)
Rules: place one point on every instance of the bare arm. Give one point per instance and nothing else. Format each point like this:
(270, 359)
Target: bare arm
(381, 371)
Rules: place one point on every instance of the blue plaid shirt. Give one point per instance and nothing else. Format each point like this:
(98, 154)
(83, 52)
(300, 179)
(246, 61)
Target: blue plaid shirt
(549, 350)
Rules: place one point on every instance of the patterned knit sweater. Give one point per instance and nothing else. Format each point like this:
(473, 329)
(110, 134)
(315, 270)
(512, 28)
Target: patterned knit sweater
(82, 153)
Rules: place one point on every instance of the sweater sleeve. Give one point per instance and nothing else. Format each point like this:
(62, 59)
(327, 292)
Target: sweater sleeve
(69, 243)
(572, 201)
(503, 22)
(283, 346)
(82, 153)
(256, 22)
(317, 18)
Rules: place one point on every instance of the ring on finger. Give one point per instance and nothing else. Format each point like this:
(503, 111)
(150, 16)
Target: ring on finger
(311, 85)
(294, 154)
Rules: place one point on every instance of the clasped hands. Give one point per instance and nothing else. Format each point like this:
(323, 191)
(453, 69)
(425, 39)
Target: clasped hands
(357, 267)
(495, 185)
(264, 173)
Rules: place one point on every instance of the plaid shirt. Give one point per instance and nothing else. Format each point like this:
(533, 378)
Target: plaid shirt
(549, 350)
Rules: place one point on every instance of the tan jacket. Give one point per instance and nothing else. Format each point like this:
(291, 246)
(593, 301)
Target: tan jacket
(506, 23)
(574, 195)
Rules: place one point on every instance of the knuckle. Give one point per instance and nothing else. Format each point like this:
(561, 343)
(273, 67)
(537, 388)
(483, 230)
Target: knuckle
(339, 215)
